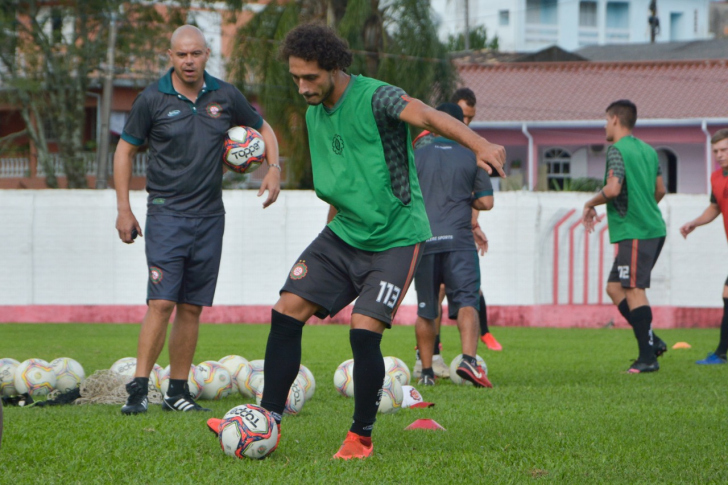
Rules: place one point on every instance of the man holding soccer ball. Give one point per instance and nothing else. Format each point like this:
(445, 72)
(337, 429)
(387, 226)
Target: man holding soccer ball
(363, 167)
(184, 118)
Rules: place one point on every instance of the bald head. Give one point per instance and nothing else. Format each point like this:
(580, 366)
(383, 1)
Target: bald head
(187, 32)
(189, 54)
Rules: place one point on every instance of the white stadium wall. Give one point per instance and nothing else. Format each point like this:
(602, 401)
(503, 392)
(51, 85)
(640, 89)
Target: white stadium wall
(61, 260)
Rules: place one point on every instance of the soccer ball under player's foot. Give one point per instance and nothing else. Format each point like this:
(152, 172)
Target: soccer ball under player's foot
(712, 359)
(353, 447)
(489, 340)
(639, 367)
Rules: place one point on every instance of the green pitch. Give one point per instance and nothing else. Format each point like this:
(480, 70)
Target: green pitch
(563, 410)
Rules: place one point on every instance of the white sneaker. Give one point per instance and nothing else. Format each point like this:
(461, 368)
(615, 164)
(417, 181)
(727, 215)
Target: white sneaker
(439, 366)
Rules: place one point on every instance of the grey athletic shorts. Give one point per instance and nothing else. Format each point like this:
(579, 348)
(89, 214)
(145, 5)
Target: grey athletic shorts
(634, 262)
(332, 274)
(459, 271)
(183, 257)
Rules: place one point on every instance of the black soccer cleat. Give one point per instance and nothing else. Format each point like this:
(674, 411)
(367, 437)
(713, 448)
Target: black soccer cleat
(182, 402)
(659, 346)
(426, 380)
(639, 367)
(137, 402)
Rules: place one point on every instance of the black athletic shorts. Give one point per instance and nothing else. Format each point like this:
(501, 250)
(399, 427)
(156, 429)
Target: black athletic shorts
(634, 262)
(183, 257)
(459, 271)
(332, 274)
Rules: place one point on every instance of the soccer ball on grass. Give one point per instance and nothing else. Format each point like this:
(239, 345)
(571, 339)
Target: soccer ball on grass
(248, 431)
(34, 376)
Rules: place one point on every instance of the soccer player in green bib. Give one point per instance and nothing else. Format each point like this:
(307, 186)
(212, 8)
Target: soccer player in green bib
(633, 187)
(363, 166)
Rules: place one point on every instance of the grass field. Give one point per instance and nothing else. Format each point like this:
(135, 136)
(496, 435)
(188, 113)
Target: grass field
(563, 410)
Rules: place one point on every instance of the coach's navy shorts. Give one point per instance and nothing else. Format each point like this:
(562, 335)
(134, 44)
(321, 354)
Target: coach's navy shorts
(183, 257)
(634, 262)
(332, 273)
(459, 271)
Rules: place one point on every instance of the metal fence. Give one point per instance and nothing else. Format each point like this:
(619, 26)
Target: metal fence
(18, 167)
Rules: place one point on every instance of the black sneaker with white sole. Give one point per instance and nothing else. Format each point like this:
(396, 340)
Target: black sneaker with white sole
(137, 402)
(182, 402)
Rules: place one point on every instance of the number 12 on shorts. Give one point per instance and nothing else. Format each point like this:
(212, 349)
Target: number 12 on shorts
(388, 294)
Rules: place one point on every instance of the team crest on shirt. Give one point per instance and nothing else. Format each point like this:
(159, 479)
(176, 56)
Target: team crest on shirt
(299, 270)
(155, 274)
(338, 144)
(214, 110)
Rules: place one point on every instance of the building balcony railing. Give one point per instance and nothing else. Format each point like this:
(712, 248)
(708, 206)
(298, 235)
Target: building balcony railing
(616, 36)
(541, 34)
(588, 36)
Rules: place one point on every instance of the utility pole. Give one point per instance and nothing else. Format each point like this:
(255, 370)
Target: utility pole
(102, 160)
(467, 25)
(653, 21)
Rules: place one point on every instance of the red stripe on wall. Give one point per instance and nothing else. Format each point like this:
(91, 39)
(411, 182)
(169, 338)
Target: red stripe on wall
(564, 316)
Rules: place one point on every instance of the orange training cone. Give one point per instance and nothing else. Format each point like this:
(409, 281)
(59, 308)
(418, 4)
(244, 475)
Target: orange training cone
(425, 424)
(682, 345)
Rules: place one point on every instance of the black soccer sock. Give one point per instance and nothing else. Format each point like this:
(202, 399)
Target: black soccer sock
(641, 320)
(282, 360)
(368, 379)
(176, 386)
(483, 314)
(143, 382)
(436, 350)
(470, 359)
(723, 344)
(428, 372)
(623, 308)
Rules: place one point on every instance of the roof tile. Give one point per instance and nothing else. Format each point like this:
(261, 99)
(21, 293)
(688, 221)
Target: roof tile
(582, 90)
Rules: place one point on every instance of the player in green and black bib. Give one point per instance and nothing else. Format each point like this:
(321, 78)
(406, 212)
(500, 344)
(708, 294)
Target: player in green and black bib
(363, 167)
(633, 187)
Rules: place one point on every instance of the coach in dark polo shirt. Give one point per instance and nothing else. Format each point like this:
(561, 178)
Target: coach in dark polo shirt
(183, 117)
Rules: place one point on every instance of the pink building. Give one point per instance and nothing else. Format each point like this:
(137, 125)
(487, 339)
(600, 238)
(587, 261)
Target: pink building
(550, 116)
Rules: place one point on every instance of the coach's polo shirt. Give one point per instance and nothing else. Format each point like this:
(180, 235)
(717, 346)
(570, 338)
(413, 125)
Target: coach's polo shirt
(186, 143)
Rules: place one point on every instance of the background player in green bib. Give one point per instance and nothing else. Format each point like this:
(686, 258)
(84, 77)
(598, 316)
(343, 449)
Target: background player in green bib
(363, 167)
(633, 187)
(718, 205)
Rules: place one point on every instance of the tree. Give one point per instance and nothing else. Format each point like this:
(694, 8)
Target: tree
(52, 54)
(395, 41)
(478, 38)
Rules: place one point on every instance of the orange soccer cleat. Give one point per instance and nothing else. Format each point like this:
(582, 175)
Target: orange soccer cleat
(353, 447)
(490, 342)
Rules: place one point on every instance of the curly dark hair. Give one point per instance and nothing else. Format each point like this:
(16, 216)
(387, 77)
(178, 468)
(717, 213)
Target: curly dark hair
(317, 42)
(466, 94)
